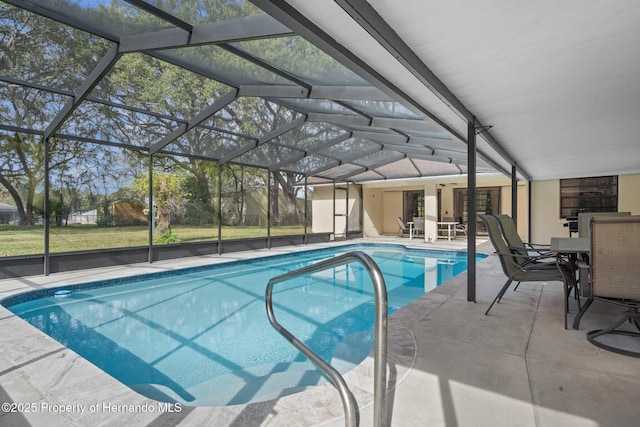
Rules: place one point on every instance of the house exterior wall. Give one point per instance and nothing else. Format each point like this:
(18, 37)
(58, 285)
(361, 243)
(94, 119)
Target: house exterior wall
(431, 211)
(322, 207)
(391, 209)
(354, 209)
(322, 218)
(446, 198)
(545, 211)
(628, 196)
(545, 206)
(373, 204)
(523, 203)
(382, 203)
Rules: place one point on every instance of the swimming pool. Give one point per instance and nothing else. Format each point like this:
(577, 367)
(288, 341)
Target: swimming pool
(200, 336)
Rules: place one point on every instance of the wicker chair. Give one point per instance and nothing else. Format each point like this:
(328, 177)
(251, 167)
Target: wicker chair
(614, 273)
(522, 267)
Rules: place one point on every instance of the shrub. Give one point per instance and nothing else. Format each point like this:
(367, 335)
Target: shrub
(106, 220)
(167, 237)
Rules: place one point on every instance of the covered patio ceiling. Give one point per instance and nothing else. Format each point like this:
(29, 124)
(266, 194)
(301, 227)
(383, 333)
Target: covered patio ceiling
(368, 90)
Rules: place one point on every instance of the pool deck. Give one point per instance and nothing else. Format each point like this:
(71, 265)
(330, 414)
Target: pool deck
(449, 364)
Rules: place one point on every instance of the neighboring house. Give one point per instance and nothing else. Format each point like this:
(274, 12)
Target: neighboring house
(126, 212)
(129, 212)
(88, 217)
(254, 209)
(8, 213)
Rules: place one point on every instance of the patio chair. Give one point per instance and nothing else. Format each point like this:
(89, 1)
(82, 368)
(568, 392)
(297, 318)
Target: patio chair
(511, 236)
(418, 225)
(402, 229)
(462, 229)
(542, 252)
(614, 273)
(585, 217)
(522, 267)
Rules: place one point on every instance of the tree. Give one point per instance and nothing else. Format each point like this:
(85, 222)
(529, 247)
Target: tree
(169, 198)
(21, 171)
(148, 83)
(200, 209)
(69, 54)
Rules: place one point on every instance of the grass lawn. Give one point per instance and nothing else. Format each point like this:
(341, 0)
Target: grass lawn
(30, 240)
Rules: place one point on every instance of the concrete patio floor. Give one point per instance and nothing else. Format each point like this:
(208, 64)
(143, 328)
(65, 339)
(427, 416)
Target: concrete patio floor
(450, 365)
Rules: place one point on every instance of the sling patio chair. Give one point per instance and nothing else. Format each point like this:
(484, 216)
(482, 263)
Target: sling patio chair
(585, 217)
(462, 229)
(521, 267)
(614, 277)
(511, 236)
(402, 229)
(418, 225)
(542, 252)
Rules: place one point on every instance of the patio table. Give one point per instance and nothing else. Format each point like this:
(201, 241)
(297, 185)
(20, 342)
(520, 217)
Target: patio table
(451, 228)
(575, 248)
(570, 245)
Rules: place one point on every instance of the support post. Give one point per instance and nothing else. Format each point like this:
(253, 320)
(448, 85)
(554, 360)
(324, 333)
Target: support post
(472, 211)
(219, 208)
(152, 211)
(306, 240)
(47, 207)
(514, 193)
(334, 210)
(529, 199)
(346, 215)
(269, 208)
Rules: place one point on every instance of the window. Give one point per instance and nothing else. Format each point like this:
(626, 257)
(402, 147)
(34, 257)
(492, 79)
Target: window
(595, 194)
(487, 202)
(413, 205)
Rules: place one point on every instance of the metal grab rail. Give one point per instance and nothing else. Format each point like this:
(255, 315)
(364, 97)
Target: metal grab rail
(352, 415)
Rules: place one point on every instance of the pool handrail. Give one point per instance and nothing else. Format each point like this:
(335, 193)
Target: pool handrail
(352, 415)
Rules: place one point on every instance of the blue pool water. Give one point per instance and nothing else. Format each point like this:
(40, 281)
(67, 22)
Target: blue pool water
(200, 336)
